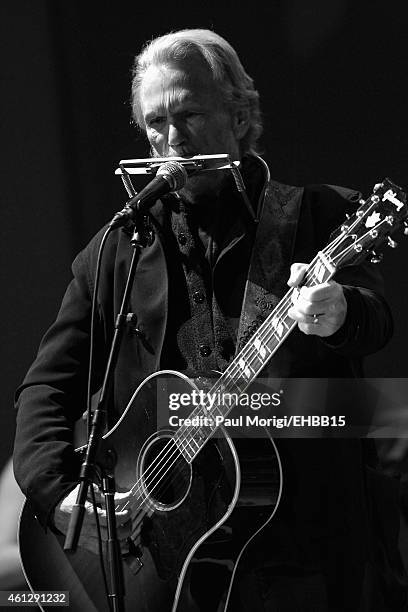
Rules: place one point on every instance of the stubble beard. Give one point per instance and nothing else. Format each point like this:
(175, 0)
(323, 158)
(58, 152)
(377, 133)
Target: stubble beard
(199, 185)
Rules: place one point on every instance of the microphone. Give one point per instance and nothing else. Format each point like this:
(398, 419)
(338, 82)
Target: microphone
(171, 176)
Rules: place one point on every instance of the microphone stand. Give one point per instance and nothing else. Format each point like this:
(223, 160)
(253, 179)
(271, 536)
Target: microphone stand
(142, 237)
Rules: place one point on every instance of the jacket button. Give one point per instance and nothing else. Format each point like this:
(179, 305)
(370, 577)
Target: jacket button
(205, 350)
(182, 238)
(198, 297)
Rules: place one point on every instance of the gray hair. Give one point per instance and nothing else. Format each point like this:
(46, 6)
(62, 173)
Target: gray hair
(234, 83)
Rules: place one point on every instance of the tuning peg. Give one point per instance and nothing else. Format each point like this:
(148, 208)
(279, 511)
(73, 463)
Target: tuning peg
(377, 186)
(376, 257)
(391, 242)
(405, 228)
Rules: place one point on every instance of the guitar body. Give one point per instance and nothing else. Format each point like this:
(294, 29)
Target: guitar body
(192, 522)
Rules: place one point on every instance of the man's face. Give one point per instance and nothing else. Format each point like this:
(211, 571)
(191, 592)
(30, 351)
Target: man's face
(184, 116)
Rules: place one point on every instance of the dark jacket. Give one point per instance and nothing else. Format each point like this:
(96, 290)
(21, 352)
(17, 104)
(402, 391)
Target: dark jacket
(52, 396)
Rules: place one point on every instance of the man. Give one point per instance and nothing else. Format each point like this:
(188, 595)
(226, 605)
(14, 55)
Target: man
(192, 96)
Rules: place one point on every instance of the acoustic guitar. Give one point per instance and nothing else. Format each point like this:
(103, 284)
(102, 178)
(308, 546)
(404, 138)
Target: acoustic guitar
(200, 502)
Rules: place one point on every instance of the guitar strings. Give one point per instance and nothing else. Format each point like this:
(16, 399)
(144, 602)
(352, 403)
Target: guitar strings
(175, 453)
(186, 436)
(186, 432)
(234, 368)
(281, 307)
(310, 272)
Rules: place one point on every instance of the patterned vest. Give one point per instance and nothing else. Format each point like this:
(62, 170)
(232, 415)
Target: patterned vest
(206, 320)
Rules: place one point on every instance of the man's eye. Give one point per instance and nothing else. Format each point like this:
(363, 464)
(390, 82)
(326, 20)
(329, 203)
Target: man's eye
(156, 121)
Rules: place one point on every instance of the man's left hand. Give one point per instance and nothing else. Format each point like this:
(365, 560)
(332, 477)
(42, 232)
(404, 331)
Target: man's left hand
(320, 310)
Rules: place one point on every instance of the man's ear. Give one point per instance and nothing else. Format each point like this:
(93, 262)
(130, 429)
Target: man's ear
(241, 123)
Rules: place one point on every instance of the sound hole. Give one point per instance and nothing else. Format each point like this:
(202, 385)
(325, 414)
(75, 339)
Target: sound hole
(166, 474)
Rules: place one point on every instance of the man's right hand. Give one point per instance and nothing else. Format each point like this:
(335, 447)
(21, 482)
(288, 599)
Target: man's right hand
(89, 536)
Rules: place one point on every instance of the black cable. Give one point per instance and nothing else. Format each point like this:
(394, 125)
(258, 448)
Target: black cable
(92, 334)
(88, 404)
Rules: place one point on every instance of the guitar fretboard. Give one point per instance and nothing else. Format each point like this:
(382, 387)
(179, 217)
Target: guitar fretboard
(247, 365)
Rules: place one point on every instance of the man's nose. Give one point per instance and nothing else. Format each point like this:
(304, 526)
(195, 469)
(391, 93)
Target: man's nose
(175, 137)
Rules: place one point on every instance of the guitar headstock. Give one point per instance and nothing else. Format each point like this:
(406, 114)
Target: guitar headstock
(371, 226)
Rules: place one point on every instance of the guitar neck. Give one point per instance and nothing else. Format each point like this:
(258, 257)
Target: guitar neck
(247, 365)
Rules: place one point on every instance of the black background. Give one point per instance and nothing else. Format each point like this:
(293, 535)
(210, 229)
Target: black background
(332, 78)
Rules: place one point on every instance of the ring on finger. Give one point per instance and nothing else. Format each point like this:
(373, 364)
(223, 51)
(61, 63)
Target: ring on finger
(315, 317)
